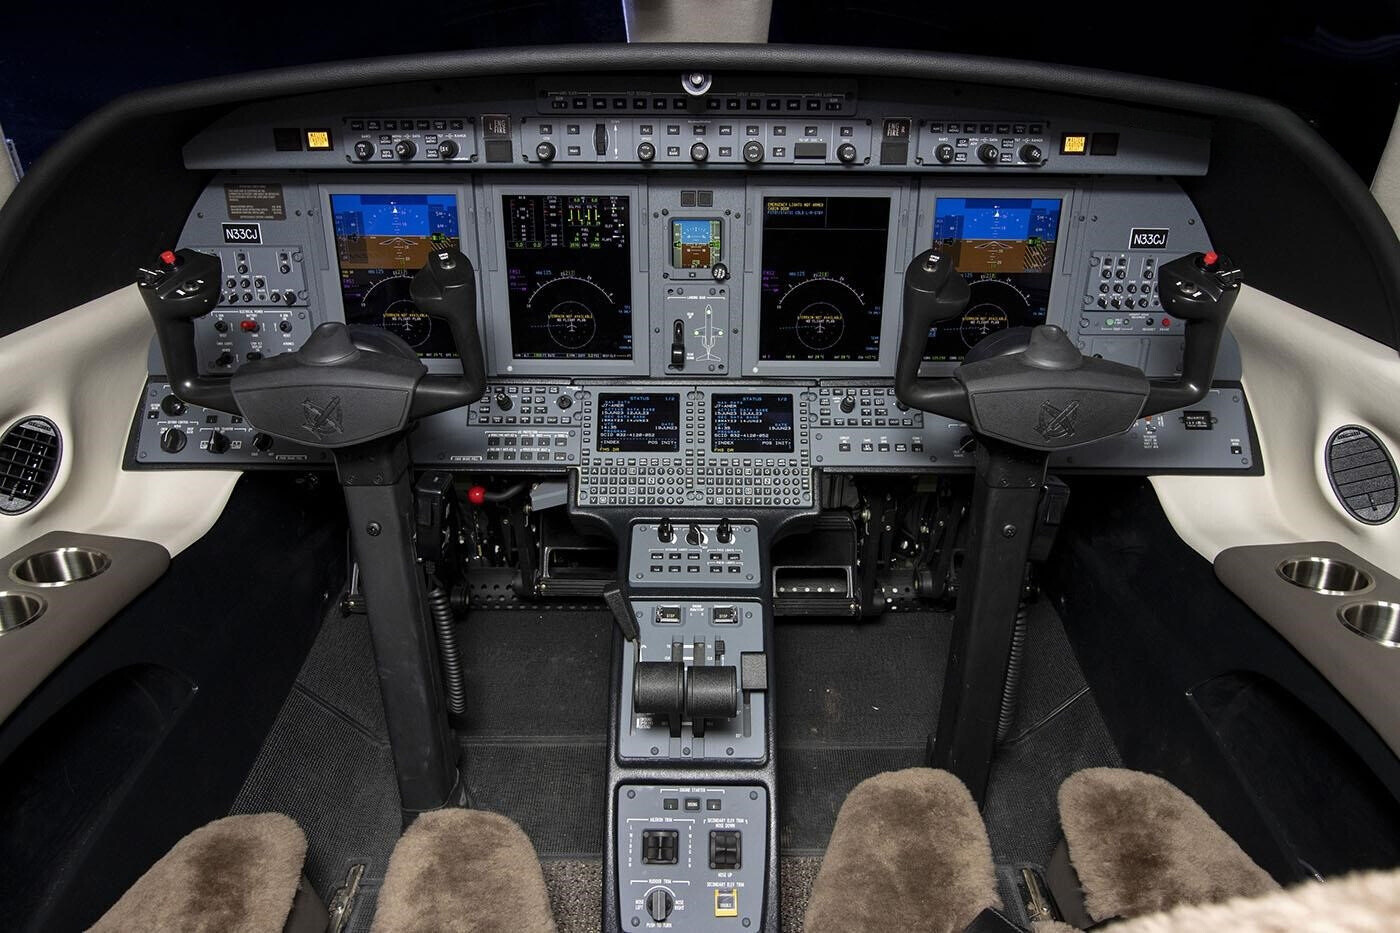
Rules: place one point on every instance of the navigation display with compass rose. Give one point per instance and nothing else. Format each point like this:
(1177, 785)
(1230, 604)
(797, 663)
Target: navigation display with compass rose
(823, 280)
(1005, 248)
(568, 275)
(381, 240)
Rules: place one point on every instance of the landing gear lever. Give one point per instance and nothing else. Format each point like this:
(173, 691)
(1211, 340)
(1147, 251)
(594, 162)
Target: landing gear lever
(1025, 394)
(355, 392)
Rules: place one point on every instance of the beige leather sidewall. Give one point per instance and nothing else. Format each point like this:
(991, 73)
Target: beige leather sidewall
(85, 370)
(1304, 377)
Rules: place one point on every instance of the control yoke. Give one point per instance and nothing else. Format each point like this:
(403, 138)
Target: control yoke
(1008, 396)
(1025, 394)
(346, 385)
(355, 391)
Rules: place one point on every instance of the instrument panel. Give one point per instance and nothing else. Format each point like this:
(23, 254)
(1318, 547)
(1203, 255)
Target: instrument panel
(692, 316)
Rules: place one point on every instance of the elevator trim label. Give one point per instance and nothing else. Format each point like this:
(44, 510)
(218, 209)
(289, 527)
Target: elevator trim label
(1148, 238)
(242, 234)
(255, 202)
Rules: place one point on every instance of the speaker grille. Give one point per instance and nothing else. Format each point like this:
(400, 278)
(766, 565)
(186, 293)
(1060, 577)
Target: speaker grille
(29, 455)
(1362, 474)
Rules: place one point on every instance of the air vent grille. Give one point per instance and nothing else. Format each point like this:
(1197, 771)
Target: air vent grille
(1362, 474)
(29, 454)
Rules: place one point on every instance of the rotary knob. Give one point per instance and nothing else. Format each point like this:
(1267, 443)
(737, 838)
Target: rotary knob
(660, 903)
(262, 442)
(988, 153)
(944, 153)
(364, 150)
(1032, 153)
(172, 440)
(447, 149)
(172, 406)
(218, 442)
(848, 404)
(405, 149)
(566, 401)
(753, 152)
(645, 152)
(699, 152)
(503, 401)
(846, 153)
(545, 151)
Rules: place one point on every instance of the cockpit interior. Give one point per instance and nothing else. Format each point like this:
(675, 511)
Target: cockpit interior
(698, 487)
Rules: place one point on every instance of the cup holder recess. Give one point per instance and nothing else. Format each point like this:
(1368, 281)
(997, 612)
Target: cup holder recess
(60, 566)
(1376, 620)
(1325, 575)
(18, 610)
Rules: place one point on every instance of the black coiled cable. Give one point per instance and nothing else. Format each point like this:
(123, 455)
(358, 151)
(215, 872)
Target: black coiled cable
(1014, 665)
(440, 608)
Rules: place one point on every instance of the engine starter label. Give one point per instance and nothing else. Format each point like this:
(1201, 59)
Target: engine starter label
(255, 202)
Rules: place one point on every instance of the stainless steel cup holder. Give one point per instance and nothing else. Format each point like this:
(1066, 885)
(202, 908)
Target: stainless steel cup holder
(1376, 620)
(1325, 575)
(60, 566)
(19, 609)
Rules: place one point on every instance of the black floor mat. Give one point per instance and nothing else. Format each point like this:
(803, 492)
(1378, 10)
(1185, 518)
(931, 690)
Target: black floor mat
(853, 700)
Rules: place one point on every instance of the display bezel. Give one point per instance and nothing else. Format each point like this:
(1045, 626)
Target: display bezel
(466, 226)
(897, 256)
(753, 392)
(645, 451)
(500, 348)
(1066, 251)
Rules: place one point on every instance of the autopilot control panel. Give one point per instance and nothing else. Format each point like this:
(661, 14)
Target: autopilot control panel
(695, 299)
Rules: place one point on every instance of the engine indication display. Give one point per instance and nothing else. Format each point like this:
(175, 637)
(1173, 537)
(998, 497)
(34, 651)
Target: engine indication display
(381, 240)
(1005, 248)
(568, 275)
(751, 423)
(823, 278)
(696, 244)
(637, 422)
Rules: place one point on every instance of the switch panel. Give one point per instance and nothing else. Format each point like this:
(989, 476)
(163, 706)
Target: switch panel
(701, 321)
(168, 432)
(691, 554)
(716, 881)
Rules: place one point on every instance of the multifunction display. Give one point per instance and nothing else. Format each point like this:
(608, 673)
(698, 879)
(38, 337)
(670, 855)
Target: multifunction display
(381, 240)
(569, 276)
(751, 423)
(696, 244)
(823, 278)
(639, 422)
(1005, 248)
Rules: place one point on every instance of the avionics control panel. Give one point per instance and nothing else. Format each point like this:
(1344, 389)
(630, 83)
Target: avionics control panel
(712, 336)
(691, 857)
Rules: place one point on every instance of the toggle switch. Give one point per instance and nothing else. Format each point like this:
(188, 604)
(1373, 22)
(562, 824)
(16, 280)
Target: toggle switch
(678, 344)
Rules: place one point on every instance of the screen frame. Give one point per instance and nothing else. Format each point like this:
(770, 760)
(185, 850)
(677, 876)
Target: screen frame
(334, 301)
(627, 391)
(500, 350)
(1067, 252)
(752, 392)
(897, 255)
